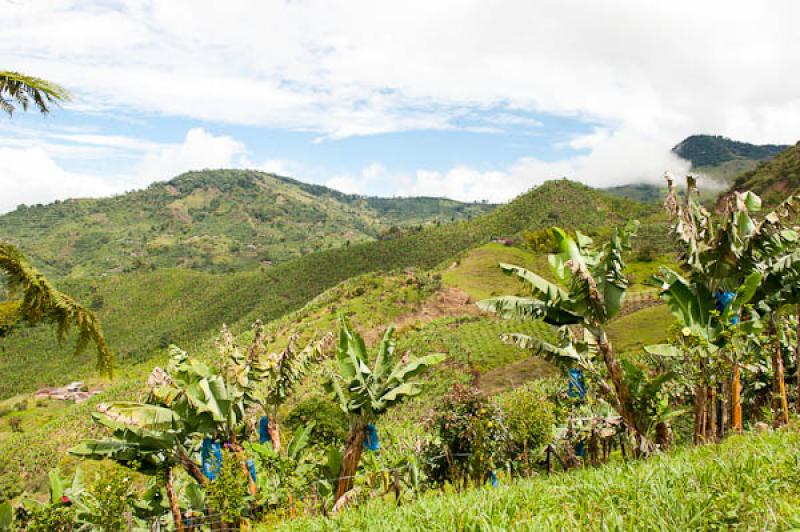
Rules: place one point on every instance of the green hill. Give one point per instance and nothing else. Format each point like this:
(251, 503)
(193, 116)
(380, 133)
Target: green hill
(212, 220)
(723, 158)
(773, 180)
(143, 311)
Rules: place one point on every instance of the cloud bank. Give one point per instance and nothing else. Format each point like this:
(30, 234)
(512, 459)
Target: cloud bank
(648, 73)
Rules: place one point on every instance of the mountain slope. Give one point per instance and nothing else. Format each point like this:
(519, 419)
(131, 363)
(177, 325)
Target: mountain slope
(212, 220)
(142, 311)
(722, 158)
(773, 180)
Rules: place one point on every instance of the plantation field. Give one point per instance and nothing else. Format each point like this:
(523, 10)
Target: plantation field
(748, 482)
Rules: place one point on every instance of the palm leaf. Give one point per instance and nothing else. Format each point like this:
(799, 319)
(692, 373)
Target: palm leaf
(41, 302)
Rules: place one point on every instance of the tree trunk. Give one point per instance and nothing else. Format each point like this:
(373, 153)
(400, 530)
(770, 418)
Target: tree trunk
(192, 468)
(274, 429)
(736, 398)
(780, 404)
(699, 413)
(351, 458)
(797, 357)
(711, 408)
(664, 435)
(624, 398)
(173, 502)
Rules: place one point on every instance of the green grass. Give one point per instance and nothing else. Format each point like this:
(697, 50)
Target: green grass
(477, 273)
(645, 327)
(749, 482)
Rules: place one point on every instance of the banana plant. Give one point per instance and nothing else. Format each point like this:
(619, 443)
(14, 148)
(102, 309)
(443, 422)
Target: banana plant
(593, 292)
(188, 401)
(730, 257)
(283, 371)
(365, 391)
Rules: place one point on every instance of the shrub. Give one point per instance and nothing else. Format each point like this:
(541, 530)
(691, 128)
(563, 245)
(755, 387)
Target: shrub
(470, 436)
(530, 418)
(330, 423)
(227, 495)
(111, 497)
(57, 517)
(15, 423)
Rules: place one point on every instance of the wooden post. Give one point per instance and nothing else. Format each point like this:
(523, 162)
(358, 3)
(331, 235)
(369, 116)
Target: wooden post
(547, 459)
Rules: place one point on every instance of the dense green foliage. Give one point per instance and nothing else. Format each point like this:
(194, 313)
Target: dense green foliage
(750, 483)
(710, 150)
(212, 220)
(639, 192)
(775, 179)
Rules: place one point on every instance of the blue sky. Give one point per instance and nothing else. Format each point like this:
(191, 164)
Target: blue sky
(453, 98)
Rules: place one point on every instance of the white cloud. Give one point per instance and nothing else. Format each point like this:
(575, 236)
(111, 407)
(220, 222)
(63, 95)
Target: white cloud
(27, 173)
(30, 174)
(650, 73)
(198, 150)
(362, 183)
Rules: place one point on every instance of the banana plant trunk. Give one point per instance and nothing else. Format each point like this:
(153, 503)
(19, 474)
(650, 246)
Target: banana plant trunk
(736, 398)
(274, 430)
(352, 455)
(624, 397)
(699, 413)
(797, 358)
(173, 502)
(780, 403)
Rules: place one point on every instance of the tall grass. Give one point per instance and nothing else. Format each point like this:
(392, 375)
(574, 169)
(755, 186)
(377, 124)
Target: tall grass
(748, 482)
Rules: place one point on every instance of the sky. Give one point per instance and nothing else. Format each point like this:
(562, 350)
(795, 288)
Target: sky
(473, 100)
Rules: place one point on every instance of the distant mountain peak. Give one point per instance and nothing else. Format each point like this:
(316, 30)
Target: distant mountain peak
(713, 150)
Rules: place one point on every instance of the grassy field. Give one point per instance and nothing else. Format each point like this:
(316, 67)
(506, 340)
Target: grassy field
(645, 327)
(749, 482)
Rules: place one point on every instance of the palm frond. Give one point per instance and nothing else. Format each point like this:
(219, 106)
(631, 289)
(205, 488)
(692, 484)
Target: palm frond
(22, 90)
(42, 303)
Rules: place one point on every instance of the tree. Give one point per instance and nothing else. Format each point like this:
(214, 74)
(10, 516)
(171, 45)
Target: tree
(595, 290)
(40, 302)
(22, 90)
(364, 392)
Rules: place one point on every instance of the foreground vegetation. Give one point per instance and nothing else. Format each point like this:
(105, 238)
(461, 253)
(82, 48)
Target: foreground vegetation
(748, 482)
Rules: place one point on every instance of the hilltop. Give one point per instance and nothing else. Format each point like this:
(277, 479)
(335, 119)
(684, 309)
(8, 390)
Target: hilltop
(213, 220)
(773, 180)
(722, 158)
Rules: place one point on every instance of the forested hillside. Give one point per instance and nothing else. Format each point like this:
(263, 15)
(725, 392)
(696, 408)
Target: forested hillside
(212, 220)
(773, 180)
(722, 158)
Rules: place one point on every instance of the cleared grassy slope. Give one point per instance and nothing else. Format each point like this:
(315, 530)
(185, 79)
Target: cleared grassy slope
(749, 482)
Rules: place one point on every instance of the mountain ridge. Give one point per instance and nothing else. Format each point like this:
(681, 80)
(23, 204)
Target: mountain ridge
(213, 220)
